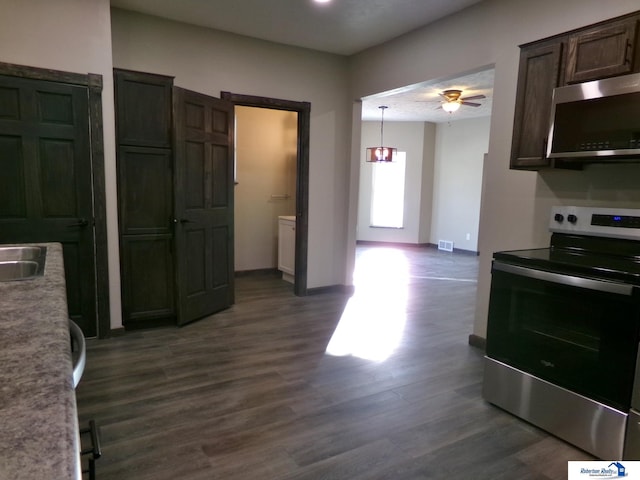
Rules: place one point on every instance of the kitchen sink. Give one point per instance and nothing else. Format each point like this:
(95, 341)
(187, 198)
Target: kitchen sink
(21, 262)
(18, 253)
(19, 270)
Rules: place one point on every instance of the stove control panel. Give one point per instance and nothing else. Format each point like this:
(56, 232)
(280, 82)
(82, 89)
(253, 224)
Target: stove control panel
(596, 221)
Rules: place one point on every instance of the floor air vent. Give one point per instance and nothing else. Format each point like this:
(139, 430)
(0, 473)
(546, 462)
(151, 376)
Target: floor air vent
(446, 245)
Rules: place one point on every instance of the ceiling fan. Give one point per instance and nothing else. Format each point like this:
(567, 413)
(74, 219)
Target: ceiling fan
(453, 99)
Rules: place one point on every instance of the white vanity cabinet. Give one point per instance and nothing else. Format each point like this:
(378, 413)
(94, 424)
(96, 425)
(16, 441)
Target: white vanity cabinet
(287, 247)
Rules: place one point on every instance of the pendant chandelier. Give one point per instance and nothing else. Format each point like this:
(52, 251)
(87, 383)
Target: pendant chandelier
(381, 153)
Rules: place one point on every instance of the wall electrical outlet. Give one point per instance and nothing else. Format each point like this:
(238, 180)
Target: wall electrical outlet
(468, 236)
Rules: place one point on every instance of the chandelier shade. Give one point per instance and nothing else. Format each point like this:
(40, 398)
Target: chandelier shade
(381, 153)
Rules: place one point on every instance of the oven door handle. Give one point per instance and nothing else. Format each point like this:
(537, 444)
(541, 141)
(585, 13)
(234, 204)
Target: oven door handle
(579, 282)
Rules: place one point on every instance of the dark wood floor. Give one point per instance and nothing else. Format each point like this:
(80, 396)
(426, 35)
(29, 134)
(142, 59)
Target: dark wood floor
(252, 392)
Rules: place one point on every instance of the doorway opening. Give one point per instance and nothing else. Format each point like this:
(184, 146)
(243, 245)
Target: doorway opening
(265, 184)
(302, 109)
(445, 154)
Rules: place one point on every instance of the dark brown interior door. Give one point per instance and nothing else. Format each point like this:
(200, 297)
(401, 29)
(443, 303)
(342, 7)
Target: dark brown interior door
(45, 180)
(203, 204)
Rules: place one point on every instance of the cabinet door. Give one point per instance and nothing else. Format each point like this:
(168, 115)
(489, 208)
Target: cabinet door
(146, 235)
(145, 182)
(538, 75)
(602, 51)
(143, 110)
(287, 246)
(147, 280)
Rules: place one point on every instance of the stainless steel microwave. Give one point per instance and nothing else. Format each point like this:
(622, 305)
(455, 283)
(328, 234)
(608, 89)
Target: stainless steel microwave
(597, 121)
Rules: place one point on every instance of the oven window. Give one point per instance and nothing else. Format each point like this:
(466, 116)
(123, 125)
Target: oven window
(583, 340)
(554, 320)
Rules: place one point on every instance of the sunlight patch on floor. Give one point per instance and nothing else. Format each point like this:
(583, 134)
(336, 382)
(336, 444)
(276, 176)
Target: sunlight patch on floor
(373, 321)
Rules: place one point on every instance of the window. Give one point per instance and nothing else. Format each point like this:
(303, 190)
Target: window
(387, 193)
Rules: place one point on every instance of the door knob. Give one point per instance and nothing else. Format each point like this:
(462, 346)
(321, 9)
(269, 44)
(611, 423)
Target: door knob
(82, 222)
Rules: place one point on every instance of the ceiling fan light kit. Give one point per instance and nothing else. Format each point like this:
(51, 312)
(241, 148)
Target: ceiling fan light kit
(453, 99)
(451, 107)
(381, 153)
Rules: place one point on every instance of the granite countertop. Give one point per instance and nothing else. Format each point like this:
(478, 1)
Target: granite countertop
(39, 436)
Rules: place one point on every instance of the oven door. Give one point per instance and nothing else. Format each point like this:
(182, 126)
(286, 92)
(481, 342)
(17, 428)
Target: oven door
(578, 333)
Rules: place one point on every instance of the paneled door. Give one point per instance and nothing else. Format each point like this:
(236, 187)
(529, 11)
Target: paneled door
(145, 198)
(46, 180)
(203, 204)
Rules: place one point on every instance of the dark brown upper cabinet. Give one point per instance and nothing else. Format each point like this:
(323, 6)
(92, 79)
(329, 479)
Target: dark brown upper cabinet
(602, 51)
(607, 49)
(538, 75)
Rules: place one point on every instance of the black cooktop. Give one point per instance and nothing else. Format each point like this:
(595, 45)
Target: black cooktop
(593, 257)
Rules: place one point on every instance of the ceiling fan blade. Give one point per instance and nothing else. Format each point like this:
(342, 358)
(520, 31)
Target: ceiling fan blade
(471, 104)
(473, 97)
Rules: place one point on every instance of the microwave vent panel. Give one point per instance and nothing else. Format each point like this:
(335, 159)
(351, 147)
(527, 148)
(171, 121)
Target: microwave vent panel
(446, 245)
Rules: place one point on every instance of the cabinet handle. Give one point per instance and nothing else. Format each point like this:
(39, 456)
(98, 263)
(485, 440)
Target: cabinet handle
(569, 280)
(627, 49)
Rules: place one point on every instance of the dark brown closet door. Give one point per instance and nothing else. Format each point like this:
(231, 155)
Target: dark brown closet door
(203, 204)
(45, 180)
(145, 198)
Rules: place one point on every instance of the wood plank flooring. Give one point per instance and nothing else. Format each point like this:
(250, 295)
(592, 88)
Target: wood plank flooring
(253, 392)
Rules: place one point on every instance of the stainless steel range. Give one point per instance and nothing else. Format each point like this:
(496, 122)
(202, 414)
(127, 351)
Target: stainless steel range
(563, 331)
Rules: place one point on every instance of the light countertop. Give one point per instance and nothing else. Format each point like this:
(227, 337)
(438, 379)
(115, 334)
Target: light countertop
(38, 417)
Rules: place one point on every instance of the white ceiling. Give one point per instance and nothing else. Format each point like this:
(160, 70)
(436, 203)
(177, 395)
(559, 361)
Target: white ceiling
(342, 27)
(422, 102)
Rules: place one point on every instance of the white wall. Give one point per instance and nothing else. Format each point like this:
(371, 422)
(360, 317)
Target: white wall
(459, 152)
(406, 137)
(266, 154)
(210, 61)
(443, 184)
(515, 204)
(428, 174)
(72, 36)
